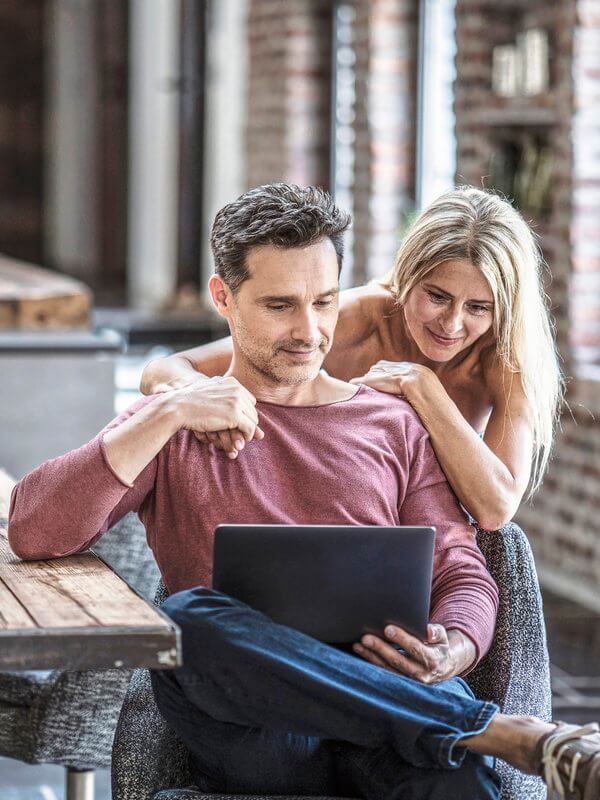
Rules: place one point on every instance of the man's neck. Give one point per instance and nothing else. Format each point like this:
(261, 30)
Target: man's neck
(321, 390)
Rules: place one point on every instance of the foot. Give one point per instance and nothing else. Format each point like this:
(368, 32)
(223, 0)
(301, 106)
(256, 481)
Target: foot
(569, 759)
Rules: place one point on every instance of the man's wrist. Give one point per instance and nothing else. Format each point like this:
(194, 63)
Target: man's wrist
(168, 407)
(463, 648)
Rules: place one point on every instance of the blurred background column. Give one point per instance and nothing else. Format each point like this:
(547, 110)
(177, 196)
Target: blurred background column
(154, 151)
(71, 174)
(226, 108)
(386, 46)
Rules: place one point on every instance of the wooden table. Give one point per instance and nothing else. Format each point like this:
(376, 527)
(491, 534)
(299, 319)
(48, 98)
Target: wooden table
(32, 297)
(77, 613)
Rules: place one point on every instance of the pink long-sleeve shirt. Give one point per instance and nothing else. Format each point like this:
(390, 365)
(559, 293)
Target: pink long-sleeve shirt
(363, 461)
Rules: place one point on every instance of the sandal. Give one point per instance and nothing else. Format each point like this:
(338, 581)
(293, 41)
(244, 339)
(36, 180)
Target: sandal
(570, 761)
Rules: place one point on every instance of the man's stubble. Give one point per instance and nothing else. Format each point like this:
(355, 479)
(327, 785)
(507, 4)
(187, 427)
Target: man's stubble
(267, 360)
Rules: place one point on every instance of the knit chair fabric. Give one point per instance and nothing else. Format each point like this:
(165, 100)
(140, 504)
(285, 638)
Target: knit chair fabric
(67, 717)
(515, 672)
(151, 763)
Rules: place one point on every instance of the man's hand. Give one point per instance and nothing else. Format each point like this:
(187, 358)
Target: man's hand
(219, 410)
(443, 655)
(178, 383)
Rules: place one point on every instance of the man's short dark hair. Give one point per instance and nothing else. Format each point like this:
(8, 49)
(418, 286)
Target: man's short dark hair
(280, 214)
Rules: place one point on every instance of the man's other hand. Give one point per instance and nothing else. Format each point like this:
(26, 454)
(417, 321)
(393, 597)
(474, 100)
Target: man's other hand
(219, 410)
(443, 655)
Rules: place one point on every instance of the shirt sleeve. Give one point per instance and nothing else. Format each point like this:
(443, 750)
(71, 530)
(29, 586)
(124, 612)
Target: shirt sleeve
(64, 506)
(463, 593)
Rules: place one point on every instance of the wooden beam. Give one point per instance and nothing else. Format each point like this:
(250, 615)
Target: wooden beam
(32, 297)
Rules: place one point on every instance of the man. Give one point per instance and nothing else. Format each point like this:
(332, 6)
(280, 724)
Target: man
(263, 708)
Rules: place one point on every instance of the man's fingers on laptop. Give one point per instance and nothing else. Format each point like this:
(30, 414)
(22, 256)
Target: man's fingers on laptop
(386, 656)
(416, 648)
(370, 656)
(436, 634)
(428, 662)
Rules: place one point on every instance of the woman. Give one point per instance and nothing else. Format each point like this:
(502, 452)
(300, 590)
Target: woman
(460, 328)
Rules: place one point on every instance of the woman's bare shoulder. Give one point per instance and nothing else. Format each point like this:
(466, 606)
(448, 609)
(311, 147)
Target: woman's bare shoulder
(362, 309)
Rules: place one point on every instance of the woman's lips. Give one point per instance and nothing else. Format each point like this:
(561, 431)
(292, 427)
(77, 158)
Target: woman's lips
(444, 341)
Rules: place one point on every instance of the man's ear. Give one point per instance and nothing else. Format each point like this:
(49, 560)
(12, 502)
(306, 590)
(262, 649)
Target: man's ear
(221, 295)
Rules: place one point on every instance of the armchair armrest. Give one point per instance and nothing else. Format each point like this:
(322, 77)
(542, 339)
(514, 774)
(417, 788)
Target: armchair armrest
(515, 673)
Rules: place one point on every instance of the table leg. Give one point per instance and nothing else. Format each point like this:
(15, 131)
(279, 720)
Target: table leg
(80, 784)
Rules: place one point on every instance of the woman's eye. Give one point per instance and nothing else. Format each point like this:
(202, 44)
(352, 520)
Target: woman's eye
(478, 309)
(437, 298)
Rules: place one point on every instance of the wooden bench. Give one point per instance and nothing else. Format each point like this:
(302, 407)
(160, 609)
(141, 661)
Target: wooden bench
(32, 297)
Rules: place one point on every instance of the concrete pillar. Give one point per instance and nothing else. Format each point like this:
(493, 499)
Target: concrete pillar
(153, 151)
(71, 194)
(226, 93)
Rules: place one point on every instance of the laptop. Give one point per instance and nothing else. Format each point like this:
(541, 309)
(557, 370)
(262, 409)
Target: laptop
(332, 582)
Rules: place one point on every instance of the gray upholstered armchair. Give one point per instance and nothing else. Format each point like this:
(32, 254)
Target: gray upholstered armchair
(69, 718)
(151, 763)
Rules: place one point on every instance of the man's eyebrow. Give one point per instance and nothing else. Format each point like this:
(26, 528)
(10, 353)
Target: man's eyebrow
(447, 294)
(289, 298)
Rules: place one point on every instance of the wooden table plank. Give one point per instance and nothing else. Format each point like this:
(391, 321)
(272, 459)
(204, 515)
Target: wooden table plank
(77, 613)
(12, 613)
(76, 591)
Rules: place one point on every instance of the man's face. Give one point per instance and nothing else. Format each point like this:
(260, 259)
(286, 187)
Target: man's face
(283, 316)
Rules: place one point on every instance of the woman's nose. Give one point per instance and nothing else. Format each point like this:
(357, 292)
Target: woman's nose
(452, 320)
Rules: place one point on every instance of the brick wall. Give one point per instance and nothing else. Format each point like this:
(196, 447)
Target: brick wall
(386, 36)
(289, 115)
(585, 200)
(561, 522)
(289, 58)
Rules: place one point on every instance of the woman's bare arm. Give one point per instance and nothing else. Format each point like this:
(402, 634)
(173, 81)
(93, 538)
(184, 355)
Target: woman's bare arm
(180, 369)
(489, 476)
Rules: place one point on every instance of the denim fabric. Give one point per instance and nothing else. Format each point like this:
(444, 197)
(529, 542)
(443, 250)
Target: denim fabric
(266, 709)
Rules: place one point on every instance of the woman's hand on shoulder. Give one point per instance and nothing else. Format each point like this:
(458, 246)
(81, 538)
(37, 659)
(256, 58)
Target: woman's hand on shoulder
(404, 378)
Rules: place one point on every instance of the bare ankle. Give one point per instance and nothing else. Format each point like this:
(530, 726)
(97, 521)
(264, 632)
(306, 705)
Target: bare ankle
(513, 739)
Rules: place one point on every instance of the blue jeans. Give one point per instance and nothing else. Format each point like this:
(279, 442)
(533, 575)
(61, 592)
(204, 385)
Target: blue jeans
(265, 709)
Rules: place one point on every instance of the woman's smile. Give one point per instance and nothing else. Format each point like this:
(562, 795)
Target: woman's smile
(444, 341)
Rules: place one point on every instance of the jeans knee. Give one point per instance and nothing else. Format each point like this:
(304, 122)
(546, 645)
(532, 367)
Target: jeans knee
(190, 604)
(198, 612)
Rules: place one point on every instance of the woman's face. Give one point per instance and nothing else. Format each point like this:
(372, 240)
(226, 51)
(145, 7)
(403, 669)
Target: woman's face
(449, 310)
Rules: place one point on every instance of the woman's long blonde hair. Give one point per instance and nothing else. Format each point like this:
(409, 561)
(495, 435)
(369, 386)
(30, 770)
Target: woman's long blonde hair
(480, 227)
